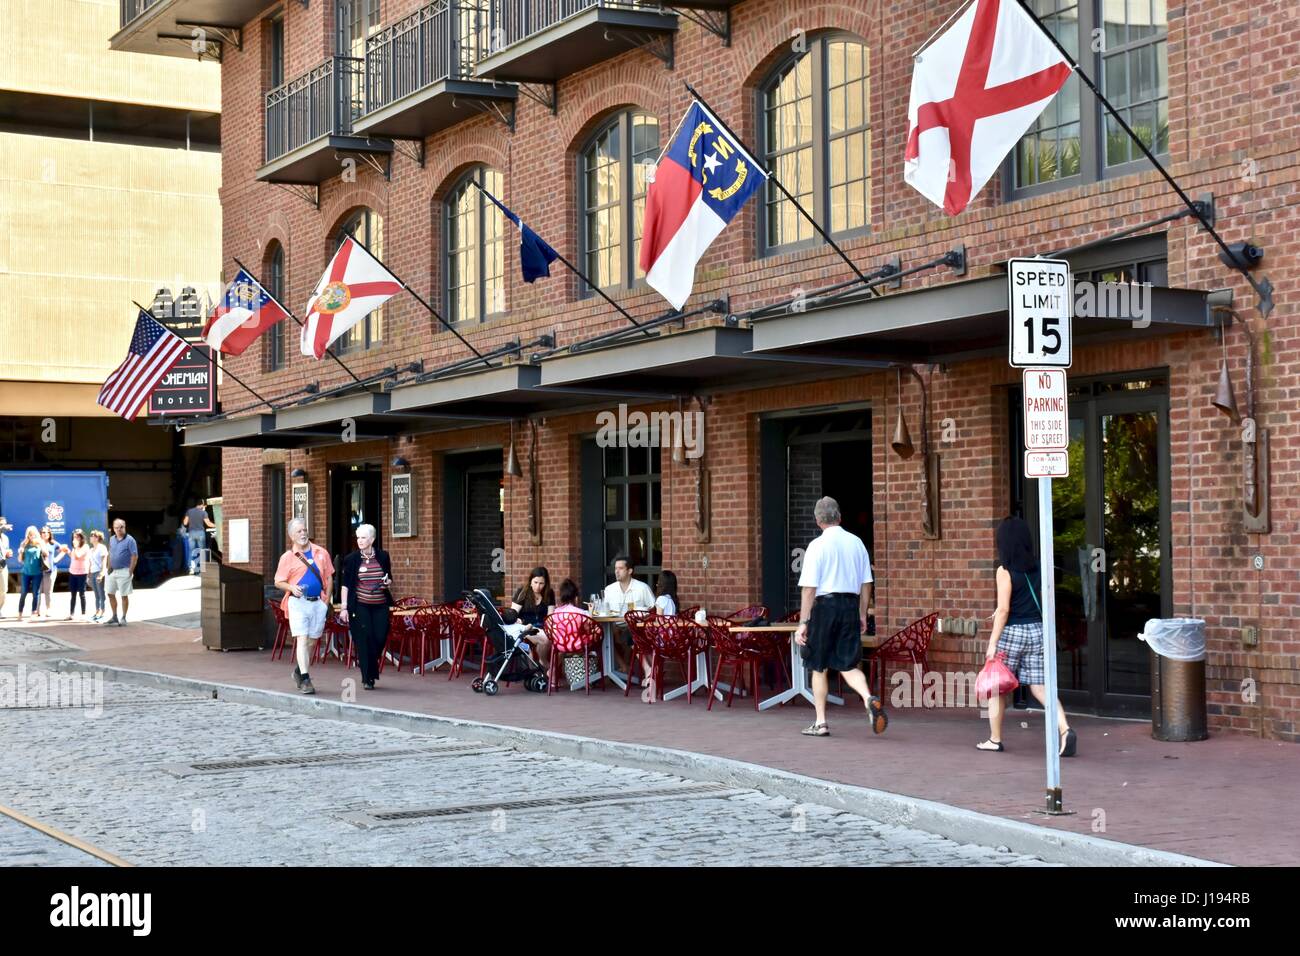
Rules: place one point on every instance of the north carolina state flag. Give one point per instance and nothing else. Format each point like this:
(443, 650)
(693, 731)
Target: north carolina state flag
(975, 91)
(354, 285)
(246, 311)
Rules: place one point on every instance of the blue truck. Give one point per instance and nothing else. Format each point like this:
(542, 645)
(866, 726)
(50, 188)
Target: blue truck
(64, 500)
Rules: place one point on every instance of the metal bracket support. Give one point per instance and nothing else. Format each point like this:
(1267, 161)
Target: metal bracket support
(659, 45)
(492, 108)
(717, 22)
(412, 149)
(547, 94)
(308, 194)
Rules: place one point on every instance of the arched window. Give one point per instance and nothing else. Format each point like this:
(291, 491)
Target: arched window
(816, 137)
(612, 187)
(275, 336)
(367, 227)
(474, 263)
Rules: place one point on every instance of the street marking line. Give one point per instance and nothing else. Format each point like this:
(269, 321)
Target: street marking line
(62, 837)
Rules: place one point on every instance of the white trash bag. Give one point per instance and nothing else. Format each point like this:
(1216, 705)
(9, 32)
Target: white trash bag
(1177, 638)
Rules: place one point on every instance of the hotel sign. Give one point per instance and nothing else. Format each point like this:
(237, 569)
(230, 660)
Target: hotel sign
(189, 387)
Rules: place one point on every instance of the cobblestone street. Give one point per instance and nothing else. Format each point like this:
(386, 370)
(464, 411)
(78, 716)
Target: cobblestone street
(163, 778)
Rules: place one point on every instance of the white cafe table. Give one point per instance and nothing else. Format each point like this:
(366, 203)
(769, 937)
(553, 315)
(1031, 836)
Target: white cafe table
(799, 686)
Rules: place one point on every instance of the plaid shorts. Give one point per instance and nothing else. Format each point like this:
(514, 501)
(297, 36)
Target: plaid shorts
(1023, 646)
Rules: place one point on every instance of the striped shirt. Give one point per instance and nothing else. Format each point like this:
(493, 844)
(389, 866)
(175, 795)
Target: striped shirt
(370, 581)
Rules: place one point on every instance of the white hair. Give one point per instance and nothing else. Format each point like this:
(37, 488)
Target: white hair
(367, 529)
(827, 511)
(294, 522)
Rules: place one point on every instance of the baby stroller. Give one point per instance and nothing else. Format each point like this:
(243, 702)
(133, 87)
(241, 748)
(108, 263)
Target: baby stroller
(510, 658)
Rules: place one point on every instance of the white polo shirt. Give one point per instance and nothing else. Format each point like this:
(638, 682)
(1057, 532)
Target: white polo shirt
(836, 562)
(638, 596)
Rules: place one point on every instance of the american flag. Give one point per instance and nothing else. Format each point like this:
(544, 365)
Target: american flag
(154, 351)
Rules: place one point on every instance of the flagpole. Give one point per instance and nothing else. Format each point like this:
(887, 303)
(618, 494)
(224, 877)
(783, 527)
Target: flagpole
(238, 380)
(572, 268)
(301, 324)
(1195, 209)
(781, 186)
(432, 311)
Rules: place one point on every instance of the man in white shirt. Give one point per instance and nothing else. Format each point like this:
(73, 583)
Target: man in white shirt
(626, 594)
(836, 588)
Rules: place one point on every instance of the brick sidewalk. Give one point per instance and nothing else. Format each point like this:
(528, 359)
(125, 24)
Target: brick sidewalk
(1228, 799)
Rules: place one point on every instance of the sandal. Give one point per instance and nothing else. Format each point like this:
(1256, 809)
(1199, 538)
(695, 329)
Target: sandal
(817, 730)
(1069, 742)
(879, 719)
(991, 745)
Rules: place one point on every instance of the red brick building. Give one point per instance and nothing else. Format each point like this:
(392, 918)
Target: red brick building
(369, 116)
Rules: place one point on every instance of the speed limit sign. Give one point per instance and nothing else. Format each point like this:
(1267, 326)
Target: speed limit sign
(1041, 299)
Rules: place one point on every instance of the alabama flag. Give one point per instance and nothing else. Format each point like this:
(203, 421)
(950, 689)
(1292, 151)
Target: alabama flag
(975, 91)
(699, 185)
(354, 285)
(246, 311)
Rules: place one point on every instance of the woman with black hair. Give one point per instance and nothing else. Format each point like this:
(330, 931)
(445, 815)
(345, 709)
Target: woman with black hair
(666, 593)
(1018, 629)
(534, 601)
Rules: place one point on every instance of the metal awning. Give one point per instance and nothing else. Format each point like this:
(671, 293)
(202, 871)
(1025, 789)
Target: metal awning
(314, 162)
(957, 321)
(435, 107)
(670, 365)
(512, 391)
(166, 27)
(542, 46)
(252, 431)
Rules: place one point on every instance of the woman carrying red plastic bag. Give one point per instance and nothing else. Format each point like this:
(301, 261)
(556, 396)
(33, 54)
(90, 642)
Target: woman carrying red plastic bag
(1016, 643)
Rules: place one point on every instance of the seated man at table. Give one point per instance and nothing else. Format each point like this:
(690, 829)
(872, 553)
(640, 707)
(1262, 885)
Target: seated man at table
(626, 594)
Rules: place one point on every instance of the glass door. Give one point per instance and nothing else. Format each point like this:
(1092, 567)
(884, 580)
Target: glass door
(1112, 537)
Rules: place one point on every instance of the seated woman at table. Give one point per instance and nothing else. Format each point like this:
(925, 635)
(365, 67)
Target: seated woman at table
(666, 593)
(533, 602)
(567, 595)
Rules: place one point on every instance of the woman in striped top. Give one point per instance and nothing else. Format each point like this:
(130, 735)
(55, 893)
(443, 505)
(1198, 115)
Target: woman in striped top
(367, 596)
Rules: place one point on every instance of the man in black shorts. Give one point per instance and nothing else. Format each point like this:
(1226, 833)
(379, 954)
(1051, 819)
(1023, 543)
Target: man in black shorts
(836, 589)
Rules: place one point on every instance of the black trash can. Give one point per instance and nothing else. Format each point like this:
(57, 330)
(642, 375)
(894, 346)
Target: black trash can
(1178, 711)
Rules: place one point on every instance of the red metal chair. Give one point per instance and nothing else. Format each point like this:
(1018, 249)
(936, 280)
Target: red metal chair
(401, 634)
(467, 634)
(281, 630)
(640, 646)
(688, 612)
(751, 613)
(336, 635)
(792, 617)
(674, 640)
(747, 653)
(572, 633)
(909, 646)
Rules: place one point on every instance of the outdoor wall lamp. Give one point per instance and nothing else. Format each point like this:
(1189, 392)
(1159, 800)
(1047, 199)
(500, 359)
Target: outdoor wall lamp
(1255, 458)
(534, 488)
(902, 446)
(512, 462)
(297, 473)
(401, 464)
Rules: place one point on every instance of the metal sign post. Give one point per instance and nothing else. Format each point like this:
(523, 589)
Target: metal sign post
(1040, 296)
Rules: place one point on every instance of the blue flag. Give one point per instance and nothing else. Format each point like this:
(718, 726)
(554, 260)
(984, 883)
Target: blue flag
(535, 255)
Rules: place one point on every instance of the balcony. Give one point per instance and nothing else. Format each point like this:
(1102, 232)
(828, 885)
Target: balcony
(543, 41)
(309, 124)
(166, 27)
(420, 73)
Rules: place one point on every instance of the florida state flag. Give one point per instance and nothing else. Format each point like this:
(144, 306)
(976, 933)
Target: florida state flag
(354, 285)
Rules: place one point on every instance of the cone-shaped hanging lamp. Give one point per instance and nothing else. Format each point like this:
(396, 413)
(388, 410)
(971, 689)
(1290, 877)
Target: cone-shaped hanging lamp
(512, 461)
(902, 442)
(1224, 399)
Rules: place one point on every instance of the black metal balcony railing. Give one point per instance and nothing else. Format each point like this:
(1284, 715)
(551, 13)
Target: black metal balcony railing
(515, 20)
(440, 41)
(130, 9)
(325, 100)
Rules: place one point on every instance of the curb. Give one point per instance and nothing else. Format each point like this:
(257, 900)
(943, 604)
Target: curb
(954, 823)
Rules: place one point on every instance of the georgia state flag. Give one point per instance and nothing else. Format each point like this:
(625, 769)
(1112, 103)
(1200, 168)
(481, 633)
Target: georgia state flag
(700, 184)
